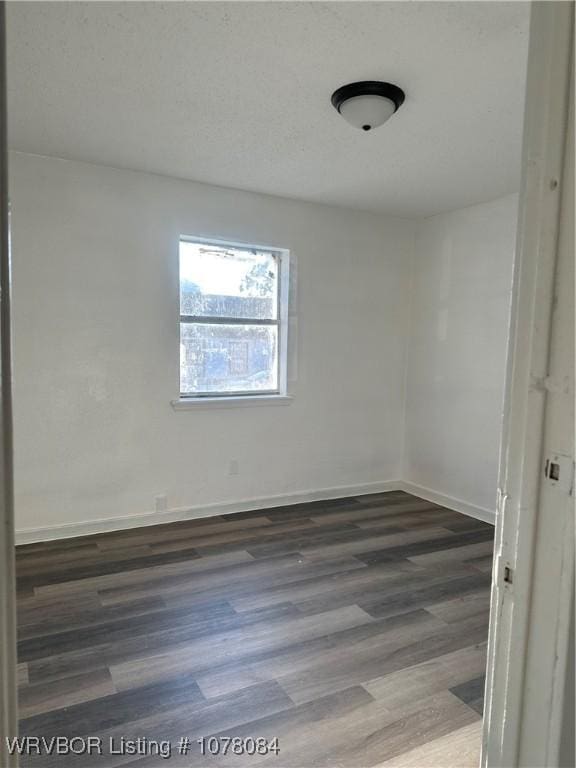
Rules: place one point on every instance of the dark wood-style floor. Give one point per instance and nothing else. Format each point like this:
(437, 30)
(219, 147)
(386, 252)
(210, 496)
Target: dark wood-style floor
(352, 630)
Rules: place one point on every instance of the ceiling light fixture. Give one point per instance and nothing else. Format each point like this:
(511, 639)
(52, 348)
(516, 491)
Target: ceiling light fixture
(368, 104)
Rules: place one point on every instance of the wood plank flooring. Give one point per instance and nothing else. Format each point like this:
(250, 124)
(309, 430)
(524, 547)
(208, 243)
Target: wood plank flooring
(353, 631)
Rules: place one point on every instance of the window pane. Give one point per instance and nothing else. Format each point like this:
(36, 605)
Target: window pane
(227, 282)
(228, 358)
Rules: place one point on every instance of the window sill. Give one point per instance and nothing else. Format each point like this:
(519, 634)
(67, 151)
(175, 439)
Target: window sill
(201, 403)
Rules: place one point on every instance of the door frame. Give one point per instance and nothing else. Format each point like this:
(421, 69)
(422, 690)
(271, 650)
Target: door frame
(8, 660)
(534, 543)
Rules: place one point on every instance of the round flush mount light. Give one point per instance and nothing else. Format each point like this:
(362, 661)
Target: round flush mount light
(368, 104)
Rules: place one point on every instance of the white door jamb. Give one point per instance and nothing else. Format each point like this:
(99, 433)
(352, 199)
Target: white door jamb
(518, 727)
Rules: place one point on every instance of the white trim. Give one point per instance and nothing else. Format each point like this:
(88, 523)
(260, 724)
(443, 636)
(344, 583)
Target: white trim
(520, 706)
(200, 403)
(109, 524)
(284, 268)
(480, 513)
(8, 657)
(87, 527)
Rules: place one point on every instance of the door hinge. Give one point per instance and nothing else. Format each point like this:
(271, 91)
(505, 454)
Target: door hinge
(508, 575)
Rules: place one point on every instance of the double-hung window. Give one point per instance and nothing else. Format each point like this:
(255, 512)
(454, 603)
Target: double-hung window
(232, 320)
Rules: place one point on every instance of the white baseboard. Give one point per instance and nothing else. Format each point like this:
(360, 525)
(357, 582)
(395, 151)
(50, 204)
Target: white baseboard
(480, 513)
(87, 527)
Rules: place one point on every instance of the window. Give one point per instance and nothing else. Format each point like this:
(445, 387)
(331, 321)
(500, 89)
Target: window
(232, 333)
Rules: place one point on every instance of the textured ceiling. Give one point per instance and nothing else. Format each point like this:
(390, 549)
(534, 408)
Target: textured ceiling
(238, 94)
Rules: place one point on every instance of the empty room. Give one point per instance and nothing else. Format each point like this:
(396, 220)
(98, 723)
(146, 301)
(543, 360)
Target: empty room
(262, 278)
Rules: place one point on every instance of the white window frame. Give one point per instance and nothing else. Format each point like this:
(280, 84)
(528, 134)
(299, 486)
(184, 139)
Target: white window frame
(258, 397)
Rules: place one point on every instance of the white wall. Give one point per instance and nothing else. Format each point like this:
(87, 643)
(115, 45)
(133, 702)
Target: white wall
(458, 333)
(95, 254)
